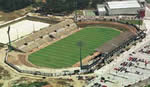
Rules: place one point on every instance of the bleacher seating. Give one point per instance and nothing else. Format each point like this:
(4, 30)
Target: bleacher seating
(47, 38)
(42, 36)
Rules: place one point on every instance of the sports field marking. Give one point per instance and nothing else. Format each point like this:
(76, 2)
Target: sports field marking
(65, 52)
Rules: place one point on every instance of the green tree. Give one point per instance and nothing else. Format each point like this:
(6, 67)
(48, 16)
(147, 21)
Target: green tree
(83, 4)
(95, 2)
(58, 6)
(10, 5)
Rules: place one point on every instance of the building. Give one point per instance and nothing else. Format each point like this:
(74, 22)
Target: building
(123, 7)
(101, 10)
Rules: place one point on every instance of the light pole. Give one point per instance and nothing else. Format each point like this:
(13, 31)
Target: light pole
(80, 44)
(9, 43)
(76, 2)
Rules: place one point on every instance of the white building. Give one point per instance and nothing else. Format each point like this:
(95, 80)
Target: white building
(101, 10)
(123, 7)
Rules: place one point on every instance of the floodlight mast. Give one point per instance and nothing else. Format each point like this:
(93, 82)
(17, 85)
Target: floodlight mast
(76, 2)
(80, 44)
(9, 43)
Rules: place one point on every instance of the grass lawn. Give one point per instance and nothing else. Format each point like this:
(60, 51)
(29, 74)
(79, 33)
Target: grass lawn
(65, 53)
(89, 13)
(147, 86)
(34, 84)
(133, 21)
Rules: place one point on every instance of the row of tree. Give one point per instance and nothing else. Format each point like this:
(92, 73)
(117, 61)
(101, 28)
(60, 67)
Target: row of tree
(57, 6)
(50, 6)
(10, 5)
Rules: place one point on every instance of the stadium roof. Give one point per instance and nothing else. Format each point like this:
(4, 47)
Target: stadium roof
(101, 8)
(123, 4)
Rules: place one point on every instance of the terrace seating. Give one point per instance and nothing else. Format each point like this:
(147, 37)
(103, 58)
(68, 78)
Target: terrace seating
(45, 30)
(27, 39)
(41, 33)
(74, 26)
(34, 36)
(19, 43)
(60, 32)
(26, 49)
(33, 45)
(39, 42)
(53, 34)
(47, 38)
(45, 35)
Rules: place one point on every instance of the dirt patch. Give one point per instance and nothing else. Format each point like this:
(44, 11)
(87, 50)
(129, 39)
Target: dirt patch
(122, 27)
(23, 60)
(13, 60)
(18, 59)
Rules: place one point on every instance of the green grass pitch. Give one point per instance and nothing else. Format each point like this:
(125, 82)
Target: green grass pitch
(65, 52)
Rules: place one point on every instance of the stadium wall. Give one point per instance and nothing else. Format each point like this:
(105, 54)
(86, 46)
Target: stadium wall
(40, 73)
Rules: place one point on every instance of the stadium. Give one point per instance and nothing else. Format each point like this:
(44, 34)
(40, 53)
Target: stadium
(54, 48)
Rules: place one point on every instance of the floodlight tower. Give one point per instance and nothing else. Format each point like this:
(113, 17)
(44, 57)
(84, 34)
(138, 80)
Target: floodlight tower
(80, 44)
(76, 2)
(9, 43)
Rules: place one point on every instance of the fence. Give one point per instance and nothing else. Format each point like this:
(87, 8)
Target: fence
(35, 72)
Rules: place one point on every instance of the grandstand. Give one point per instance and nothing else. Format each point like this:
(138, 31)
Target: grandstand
(116, 42)
(44, 35)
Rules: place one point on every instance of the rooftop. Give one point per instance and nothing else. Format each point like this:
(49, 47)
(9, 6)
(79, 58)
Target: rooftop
(101, 8)
(123, 4)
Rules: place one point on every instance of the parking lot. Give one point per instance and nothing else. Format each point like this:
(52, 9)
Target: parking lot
(130, 67)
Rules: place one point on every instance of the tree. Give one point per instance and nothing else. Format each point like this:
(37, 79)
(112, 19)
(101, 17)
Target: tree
(95, 2)
(57, 6)
(10, 5)
(83, 4)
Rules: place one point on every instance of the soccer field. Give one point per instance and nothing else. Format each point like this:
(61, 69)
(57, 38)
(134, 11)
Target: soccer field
(65, 52)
